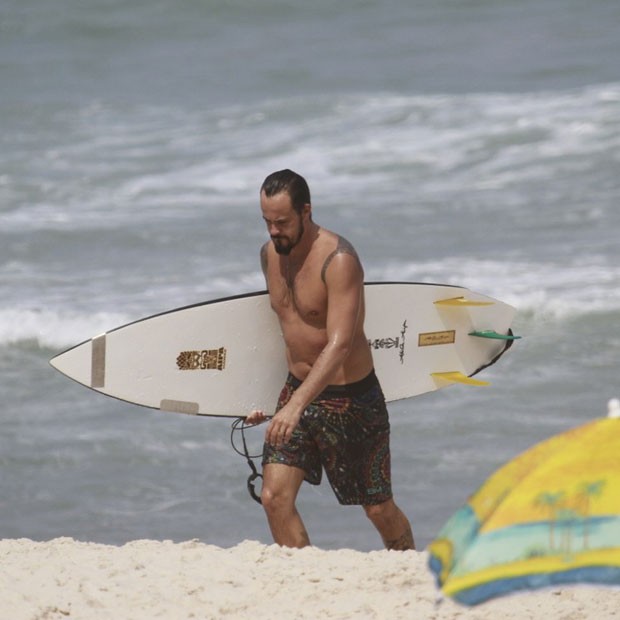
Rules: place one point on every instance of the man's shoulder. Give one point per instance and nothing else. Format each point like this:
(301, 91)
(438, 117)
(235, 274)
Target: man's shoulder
(335, 242)
(337, 245)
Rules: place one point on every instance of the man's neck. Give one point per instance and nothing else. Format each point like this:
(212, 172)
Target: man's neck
(300, 252)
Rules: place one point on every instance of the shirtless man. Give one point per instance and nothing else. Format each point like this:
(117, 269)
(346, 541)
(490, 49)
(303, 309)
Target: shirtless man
(331, 413)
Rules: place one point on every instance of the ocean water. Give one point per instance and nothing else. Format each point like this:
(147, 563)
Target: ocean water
(473, 143)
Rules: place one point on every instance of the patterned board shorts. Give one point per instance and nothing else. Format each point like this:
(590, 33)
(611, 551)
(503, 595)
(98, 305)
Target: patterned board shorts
(345, 430)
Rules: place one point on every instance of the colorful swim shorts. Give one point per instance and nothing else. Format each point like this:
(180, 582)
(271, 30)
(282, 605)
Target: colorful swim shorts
(346, 431)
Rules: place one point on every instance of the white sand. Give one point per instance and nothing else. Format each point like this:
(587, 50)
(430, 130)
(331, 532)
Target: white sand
(147, 579)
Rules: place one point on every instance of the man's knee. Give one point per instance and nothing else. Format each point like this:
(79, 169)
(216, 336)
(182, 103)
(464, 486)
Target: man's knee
(380, 513)
(275, 499)
(280, 488)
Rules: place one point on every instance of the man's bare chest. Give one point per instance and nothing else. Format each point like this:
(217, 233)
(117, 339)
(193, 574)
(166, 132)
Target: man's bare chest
(299, 295)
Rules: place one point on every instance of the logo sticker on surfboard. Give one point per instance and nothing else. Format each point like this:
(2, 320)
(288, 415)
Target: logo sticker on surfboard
(430, 339)
(209, 359)
(394, 342)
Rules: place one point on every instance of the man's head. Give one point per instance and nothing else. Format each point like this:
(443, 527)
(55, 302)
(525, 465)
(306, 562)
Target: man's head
(285, 204)
(290, 183)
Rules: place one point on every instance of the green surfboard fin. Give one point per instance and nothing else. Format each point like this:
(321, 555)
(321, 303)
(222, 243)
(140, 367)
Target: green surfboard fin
(489, 333)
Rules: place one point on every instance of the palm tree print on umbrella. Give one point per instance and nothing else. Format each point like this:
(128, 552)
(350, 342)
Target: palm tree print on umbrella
(568, 511)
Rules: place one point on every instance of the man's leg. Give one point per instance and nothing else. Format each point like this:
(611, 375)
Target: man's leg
(281, 484)
(392, 524)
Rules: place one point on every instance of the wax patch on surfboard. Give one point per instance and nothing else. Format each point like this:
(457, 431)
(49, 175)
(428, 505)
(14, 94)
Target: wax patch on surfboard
(179, 406)
(97, 363)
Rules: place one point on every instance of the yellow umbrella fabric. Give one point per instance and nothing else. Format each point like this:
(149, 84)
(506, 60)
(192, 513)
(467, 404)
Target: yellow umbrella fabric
(549, 516)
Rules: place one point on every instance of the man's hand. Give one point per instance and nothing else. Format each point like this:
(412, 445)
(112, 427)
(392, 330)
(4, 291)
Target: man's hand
(282, 425)
(255, 418)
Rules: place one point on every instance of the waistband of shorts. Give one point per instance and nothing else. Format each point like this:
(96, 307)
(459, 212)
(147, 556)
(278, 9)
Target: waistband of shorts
(346, 390)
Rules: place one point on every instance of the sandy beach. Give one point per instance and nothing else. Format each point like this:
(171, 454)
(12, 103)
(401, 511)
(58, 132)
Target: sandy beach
(147, 579)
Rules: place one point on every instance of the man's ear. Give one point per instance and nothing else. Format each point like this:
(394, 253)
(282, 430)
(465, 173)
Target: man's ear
(307, 211)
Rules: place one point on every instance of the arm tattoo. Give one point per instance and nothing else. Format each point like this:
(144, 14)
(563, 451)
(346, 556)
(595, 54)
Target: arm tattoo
(343, 247)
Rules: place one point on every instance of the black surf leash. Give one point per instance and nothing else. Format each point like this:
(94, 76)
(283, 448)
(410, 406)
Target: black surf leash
(239, 426)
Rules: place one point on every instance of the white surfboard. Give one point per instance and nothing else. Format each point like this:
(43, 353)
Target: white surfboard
(226, 357)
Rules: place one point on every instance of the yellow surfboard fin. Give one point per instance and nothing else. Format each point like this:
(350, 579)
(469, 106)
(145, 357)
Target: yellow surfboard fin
(461, 301)
(458, 377)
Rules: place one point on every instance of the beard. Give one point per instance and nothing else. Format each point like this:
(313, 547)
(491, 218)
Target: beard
(284, 245)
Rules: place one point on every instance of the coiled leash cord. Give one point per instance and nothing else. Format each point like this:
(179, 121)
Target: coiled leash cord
(239, 426)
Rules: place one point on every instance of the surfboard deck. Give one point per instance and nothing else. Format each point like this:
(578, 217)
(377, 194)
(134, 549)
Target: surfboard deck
(226, 357)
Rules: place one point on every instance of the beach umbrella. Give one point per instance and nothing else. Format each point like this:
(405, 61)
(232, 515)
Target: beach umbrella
(549, 516)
